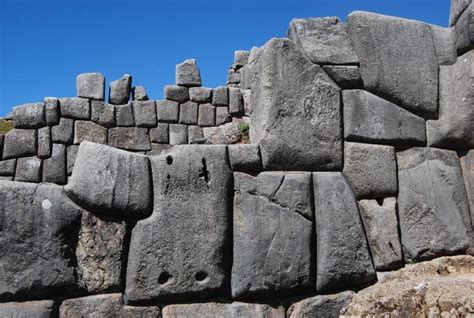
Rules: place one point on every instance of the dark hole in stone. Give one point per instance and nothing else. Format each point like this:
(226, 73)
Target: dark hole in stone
(380, 201)
(164, 277)
(200, 276)
(203, 172)
(169, 160)
(168, 177)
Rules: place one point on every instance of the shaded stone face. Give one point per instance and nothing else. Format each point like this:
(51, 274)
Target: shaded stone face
(321, 306)
(19, 143)
(29, 116)
(232, 310)
(119, 92)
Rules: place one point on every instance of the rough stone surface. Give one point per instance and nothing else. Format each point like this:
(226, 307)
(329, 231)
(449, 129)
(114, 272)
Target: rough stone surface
(222, 116)
(71, 154)
(76, 108)
(129, 138)
(54, 168)
(206, 115)
(400, 62)
(124, 115)
(439, 288)
(432, 204)
(467, 165)
(247, 97)
(368, 118)
(167, 111)
(7, 167)
(39, 230)
(232, 310)
(91, 85)
(220, 96)
(454, 128)
(226, 134)
(178, 134)
(29, 116)
(370, 170)
(381, 226)
(158, 149)
(160, 134)
(464, 31)
(236, 102)
(187, 74)
(144, 113)
(119, 90)
(44, 142)
(200, 94)
(233, 77)
(444, 40)
(111, 181)
(245, 158)
(272, 235)
(1, 145)
(176, 93)
(192, 194)
(320, 306)
(188, 113)
(103, 113)
(324, 40)
(139, 93)
(90, 131)
(345, 76)
(51, 109)
(19, 143)
(64, 132)
(457, 8)
(296, 115)
(30, 309)
(241, 58)
(195, 134)
(342, 254)
(28, 169)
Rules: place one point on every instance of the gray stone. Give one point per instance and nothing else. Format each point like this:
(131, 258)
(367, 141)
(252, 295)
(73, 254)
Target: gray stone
(176, 93)
(381, 226)
(220, 96)
(76, 108)
(464, 31)
(321, 306)
(192, 191)
(139, 93)
(111, 181)
(39, 229)
(236, 102)
(144, 113)
(28, 169)
(187, 74)
(64, 132)
(226, 134)
(44, 142)
(272, 235)
(232, 310)
(71, 154)
(51, 111)
(188, 113)
(87, 130)
(233, 77)
(30, 309)
(249, 73)
(370, 170)
(247, 98)
(158, 149)
(245, 158)
(29, 116)
(342, 254)
(400, 62)
(454, 128)
(222, 116)
(200, 94)
(207, 115)
(99, 253)
(467, 165)
(432, 204)
(346, 76)
(129, 138)
(296, 115)
(195, 134)
(103, 113)
(19, 143)
(1, 145)
(444, 40)
(2, 178)
(7, 167)
(178, 134)
(160, 133)
(119, 90)
(124, 115)
(457, 8)
(167, 111)
(91, 85)
(324, 40)
(368, 118)
(54, 168)
(241, 58)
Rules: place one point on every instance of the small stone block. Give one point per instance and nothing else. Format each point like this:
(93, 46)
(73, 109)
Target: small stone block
(160, 133)
(167, 111)
(206, 116)
(195, 134)
(187, 74)
(103, 113)
(236, 102)
(71, 158)
(44, 142)
(29, 116)
(51, 111)
(76, 108)
(220, 96)
(139, 93)
(222, 116)
(19, 143)
(87, 130)
(54, 168)
(188, 113)
(245, 158)
(64, 132)
(176, 93)
(124, 115)
(119, 91)
(200, 94)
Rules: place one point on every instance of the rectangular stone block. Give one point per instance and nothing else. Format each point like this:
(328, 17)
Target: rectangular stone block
(51, 111)
(76, 108)
(236, 102)
(235, 309)
(178, 134)
(177, 93)
(160, 134)
(144, 113)
(44, 142)
(245, 158)
(7, 167)
(30, 309)
(28, 169)
(88, 130)
(119, 90)
(188, 74)
(54, 168)
(124, 115)
(29, 116)
(195, 134)
(71, 154)
(188, 113)
(91, 85)
(129, 138)
(64, 132)
(220, 96)
(19, 143)
(103, 113)
(206, 116)
(345, 76)
(222, 116)
(200, 95)
(167, 111)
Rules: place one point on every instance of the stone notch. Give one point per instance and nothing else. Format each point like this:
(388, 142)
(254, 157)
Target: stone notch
(119, 90)
(187, 74)
(192, 198)
(29, 116)
(321, 305)
(272, 235)
(234, 310)
(111, 181)
(432, 204)
(91, 85)
(324, 40)
(298, 110)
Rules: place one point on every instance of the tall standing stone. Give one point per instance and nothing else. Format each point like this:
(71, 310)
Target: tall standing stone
(91, 85)
(51, 111)
(119, 91)
(187, 74)
(44, 142)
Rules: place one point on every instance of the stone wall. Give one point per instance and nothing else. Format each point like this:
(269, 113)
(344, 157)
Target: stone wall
(360, 161)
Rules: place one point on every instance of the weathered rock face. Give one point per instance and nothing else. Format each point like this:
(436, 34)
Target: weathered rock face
(457, 8)
(75, 108)
(296, 115)
(30, 309)
(119, 91)
(55, 167)
(192, 196)
(345, 76)
(91, 85)
(29, 116)
(432, 204)
(187, 74)
(232, 310)
(39, 228)
(129, 138)
(245, 158)
(87, 130)
(439, 288)
(467, 166)
(320, 306)
(272, 235)
(19, 143)
(464, 30)
(226, 134)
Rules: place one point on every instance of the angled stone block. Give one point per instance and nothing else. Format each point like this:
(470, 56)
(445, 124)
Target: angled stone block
(144, 113)
(467, 166)
(187, 74)
(345, 76)
(29, 116)
(44, 142)
(51, 111)
(30, 309)
(200, 94)
(124, 115)
(167, 111)
(28, 169)
(129, 138)
(19, 143)
(75, 108)
(103, 113)
(90, 131)
(321, 306)
(91, 85)
(188, 113)
(54, 168)
(444, 40)
(139, 93)
(207, 115)
(245, 158)
(119, 90)
(64, 132)
(177, 93)
(232, 310)
(220, 96)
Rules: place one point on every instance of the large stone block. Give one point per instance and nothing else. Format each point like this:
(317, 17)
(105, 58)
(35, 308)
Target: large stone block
(296, 115)
(187, 74)
(192, 194)
(457, 8)
(64, 132)
(232, 310)
(245, 158)
(119, 90)
(54, 168)
(39, 231)
(397, 60)
(44, 142)
(111, 181)
(103, 113)
(200, 94)
(91, 85)
(144, 113)
(324, 40)
(76, 108)
(342, 254)
(206, 115)
(368, 118)
(222, 116)
(28, 169)
(19, 143)
(467, 166)
(444, 40)
(167, 111)
(345, 76)
(220, 96)
(90, 131)
(188, 113)
(177, 93)
(432, 204)
(30, 309)
(124, 115)
(29, 116)
(272, 235)
(321, 306)
(454, 128)
(129, 138)
(464, 30)
(51, 110)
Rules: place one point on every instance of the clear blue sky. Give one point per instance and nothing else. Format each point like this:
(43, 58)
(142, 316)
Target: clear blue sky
(46, 43)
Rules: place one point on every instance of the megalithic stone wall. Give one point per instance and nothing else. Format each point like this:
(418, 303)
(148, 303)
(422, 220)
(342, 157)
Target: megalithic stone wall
(360, 161)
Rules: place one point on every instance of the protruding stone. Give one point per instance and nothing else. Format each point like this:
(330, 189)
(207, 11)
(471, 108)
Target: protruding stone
(129, 138)
(64, 132)
(188, 113)
(167, 111)
(192, 189)
(28, 169)
(91, 85)
(177, 93)
(464, 30)
(245, 158)
(30, 309)
(467, 166)
(321, 306)
(232, 310)
(76, 108)
(272, 235)
(29, 116)
(103, 113)
(222, 116)
(51, 111)
(345, 76)
(220, 96)
(124, 115)
(160, 134)
(207, 115)
(44, 142)
(178, 134)
(195, 134)
(71, 154)
(226, 134)
(457, 8)
(87, 130)
(368, 118)
(19, 143)
(236, 102)
(119, 90)
(432, 204)
(54, 168)
(144, 113)
(241, 58)
(7, 167)
(187, 74)
(200, 94)
(342, 254)
(139, 93)
(324, 40)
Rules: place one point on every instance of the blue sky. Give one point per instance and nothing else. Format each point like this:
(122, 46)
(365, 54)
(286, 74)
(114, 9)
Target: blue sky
(44, 44)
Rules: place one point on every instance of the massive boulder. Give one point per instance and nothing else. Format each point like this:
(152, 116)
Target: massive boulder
(296, 115)
(180, 252)
(232, 310)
